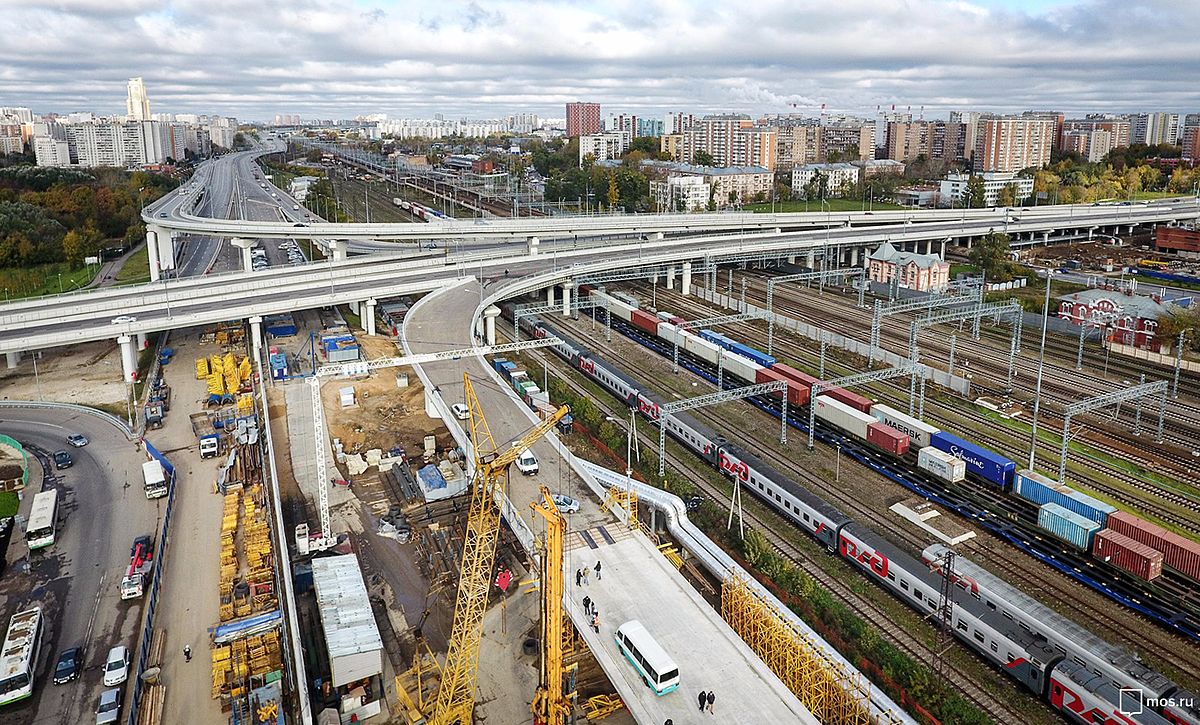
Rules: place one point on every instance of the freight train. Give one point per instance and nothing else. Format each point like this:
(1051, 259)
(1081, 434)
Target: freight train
(420, 211)
(1080, 693)
(1136, 546)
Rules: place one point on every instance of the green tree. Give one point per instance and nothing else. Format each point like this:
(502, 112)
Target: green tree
(703, 158)
(712, 197)
(1007, 195)
(73, 248)
(614, 194)
(974, 196)
(646, 144)
(991, 255)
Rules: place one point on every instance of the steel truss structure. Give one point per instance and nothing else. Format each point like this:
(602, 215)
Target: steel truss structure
(720, 396)
(1010, 310)
(1137, 392)
(821, 275)
(712, 322)
(883, 309)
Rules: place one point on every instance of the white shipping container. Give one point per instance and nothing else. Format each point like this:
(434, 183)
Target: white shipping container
(843, 416)
(702, 349)
(740, 367)
(918, 431)
(941, 464)
(669, 333)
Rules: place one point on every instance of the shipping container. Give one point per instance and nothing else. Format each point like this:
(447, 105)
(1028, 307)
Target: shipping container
(941, 464)
(1128, 554)
(1179, 553)
(854, 400)
(1067, 525)
(664, 315)
(702, 349)
(716, 338)
(918, 430)
(797, 394)
(643, 321)
(498, 364)
(675, 320)
(740, 367)
(988, 465)
(749, 352)
(888, 438)
(839, 414)
(1033, 486)
(627, 299)
(792, 373)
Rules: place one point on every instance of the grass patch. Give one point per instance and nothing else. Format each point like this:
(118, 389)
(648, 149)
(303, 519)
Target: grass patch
(136, 268)
(353, 320)
(9, 503)
(43, 279)
(816, 206)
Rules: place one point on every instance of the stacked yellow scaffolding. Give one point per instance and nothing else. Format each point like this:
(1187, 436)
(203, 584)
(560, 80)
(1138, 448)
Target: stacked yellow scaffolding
(245, 404)
(245, 370)
(233, 382)
(256, 542)
(201, 368)
(234, 664)
(823, 685)
(229, 559)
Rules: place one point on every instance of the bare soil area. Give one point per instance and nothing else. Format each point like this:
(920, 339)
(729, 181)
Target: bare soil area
(87, 374)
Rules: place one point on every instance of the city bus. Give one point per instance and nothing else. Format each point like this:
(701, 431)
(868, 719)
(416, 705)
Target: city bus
(18, 659)
(43, 518)
(657, 669)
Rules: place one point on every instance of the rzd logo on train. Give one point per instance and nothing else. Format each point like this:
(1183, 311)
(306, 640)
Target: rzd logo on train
(736, 468)
(875, 561)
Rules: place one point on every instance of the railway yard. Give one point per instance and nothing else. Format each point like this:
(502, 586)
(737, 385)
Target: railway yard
(1156, 481)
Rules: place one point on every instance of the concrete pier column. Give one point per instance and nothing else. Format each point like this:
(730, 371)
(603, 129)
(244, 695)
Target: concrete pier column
(152, 233)
(142, 342)
(810, 259)
(245, 245)
(942, 254)
(338, 248)
(791, 259)
(533, 243)
(550, 296)
(355, 308)
(566, 301)
(256, 337)
(368, 316)
(671, 277)
(13, 359)
(128, 358)
(489, 320)
(929, 246)
(685, 285)
(166, 251)
(853, 256)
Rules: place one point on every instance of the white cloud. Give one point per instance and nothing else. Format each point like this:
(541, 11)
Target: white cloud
(330, 58)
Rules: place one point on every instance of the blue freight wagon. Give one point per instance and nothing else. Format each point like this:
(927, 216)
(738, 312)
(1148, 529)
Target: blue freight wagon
(1068, 525)
(988, 465)
(716, 338)
(1033, 486)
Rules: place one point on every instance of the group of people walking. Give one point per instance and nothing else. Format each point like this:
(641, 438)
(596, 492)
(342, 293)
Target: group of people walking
(589, 606)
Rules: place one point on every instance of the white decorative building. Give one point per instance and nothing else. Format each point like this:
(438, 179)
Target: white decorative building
(921, 272)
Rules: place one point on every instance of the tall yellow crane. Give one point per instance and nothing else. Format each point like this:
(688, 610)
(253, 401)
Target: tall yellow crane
(551, 703)
(456, 692)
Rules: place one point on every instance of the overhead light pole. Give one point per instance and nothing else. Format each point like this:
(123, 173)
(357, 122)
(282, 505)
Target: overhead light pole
(1037, 394)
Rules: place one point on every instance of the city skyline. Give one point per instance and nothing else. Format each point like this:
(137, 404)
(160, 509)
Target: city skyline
(315, 59)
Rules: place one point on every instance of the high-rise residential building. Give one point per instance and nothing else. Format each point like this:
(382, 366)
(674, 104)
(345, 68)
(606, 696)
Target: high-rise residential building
(1118, 130)
(137, 104)
(797, 145)
(622, 122)
(677, 122)
(650, 127)
(970, 122)
(604, 146)
(583, 119)
(1092, 144)
(1009, 144)
(731, 139)
(523, 122)
(847, 140)
(671, 144)
(19, 113)
(1190, 141)
(1155, 128)
(1054, 116)
(10, 138)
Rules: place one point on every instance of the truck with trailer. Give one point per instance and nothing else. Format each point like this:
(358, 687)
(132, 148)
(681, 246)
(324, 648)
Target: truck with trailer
(206, 434)
(141, 561)
(155, 479)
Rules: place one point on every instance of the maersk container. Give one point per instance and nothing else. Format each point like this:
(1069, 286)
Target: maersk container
(1128, 554)
(988, 465)
(797, 394)
(1067, 525)
(854, 400)
(839, 414)
(918, 430)
(1033, 486)
(749, 352)
(887, 438)
(1178, 552)
(941, 464)
(740, 367)
(643, 321)
(702, 349)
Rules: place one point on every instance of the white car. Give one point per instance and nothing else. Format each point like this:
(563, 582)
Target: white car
(116, 666)
(527, 463)
(124, 320)
(565, 504)
(460, 411)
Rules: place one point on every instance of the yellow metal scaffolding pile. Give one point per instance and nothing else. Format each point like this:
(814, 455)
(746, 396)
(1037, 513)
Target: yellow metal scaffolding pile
(237, 664)
(823, 685)
(244, 526)
(224, 334)
(225, 375)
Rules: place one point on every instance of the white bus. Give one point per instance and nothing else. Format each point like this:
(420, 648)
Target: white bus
(19, 657)
(655, 666)
(43, 518)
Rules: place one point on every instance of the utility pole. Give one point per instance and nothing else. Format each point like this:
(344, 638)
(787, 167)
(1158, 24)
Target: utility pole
(1037, 395)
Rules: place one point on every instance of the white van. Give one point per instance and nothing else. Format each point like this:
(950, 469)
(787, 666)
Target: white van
(527, 463)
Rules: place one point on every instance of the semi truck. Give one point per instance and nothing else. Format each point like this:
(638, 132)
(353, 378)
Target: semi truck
(155, 479)
(207, 435)
(141, 561)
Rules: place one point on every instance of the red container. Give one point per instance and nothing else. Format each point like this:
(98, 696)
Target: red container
(1126, 553)
(643, 321)
(1178, 552)
(854, 400)
(675, 320)
(887, 438)
(797, 395)
(795, 375)
(586, 289)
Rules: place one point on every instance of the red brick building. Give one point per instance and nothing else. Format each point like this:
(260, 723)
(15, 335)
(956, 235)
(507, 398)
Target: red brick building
(583, 119)
(1130, 319)
(1176, 239)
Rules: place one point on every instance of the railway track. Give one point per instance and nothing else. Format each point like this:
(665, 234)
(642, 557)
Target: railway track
(770, 524)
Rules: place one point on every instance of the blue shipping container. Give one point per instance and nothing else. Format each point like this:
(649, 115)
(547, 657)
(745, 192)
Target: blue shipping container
(988, 465)
(1035, 487)
(1068, 525)
(498, 364)
(748, 352)
(716, 338)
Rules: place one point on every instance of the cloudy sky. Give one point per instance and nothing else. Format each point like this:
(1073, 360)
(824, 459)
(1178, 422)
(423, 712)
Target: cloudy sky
(489, 58)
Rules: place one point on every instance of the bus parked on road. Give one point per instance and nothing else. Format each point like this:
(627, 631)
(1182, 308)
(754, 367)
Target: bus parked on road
(18, 659)
(43, 519)
(655, 666)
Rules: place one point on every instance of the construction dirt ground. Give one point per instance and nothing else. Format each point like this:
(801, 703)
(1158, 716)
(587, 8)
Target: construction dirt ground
(84, 374)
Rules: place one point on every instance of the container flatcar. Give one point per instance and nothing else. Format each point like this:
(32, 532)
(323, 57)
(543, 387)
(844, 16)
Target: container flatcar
(988, 465)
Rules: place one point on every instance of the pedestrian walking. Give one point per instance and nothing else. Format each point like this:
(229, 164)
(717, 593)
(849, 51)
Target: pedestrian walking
(711, 698)
(578, 576)
(596, 622)
(585, 575)
(587, 605)
(187, 653)
(597, 571)
(703, 699)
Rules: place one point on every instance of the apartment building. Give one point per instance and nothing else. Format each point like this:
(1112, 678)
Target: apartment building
(671, 144)
(604, 146)
(1155, 128)
(583, 119)
(954, 186)
(835, 178)
(942, 140)
(731, 140)
(1092, 145)
(680, 193)
(848, 140)
(1009, 144)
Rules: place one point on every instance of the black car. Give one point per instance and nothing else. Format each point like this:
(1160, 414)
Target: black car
(67, 668)
(62, 460)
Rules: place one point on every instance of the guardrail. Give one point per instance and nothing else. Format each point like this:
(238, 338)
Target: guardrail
(49, 405)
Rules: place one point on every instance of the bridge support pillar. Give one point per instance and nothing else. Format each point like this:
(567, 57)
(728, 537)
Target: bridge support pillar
(685, 284)
(152, 235)
(355, 308)
(338, 248)
(13, 359)
(670, 277)
(533, 243)
(942, 254)
(142, 342)
(1131, 227)
(368, 316)
(245, 245)
(550, 296)
(810, 260)
(929, 246)
(128, 358)
(166, 250)
(256, 336)
(566, 300)
(853, 256)
(489, 320)
(1046, 238)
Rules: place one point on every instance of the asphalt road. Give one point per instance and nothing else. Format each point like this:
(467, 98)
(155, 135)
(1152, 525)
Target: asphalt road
(77, 580)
